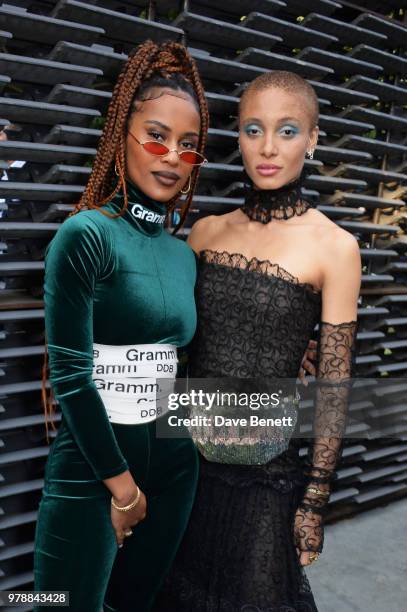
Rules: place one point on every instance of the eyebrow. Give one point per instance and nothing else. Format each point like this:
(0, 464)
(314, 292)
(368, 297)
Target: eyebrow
(168, 129)
(289, 119)
(256, 120)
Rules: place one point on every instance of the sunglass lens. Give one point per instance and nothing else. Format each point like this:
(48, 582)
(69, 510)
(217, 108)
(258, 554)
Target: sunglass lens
(192, 157)
(156, 148)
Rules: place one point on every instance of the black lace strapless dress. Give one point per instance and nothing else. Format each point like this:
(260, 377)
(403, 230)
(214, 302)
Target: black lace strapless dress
(238, 552)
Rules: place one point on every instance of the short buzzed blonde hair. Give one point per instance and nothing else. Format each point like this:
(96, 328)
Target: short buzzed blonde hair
(289, 82)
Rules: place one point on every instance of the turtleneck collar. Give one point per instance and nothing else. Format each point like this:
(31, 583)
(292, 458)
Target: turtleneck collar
(264, 205)
(144, 213)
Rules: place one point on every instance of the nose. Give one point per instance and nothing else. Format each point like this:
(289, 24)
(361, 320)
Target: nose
(172, 158)
(269, 146)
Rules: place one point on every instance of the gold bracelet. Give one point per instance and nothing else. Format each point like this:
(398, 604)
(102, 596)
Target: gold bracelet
(318, 492)
(129, 506)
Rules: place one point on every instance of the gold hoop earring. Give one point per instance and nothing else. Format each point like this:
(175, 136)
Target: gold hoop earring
(185, 191)
(115, 169)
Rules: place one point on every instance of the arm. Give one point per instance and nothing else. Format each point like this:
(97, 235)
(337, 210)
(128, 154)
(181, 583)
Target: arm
(335, 365)
(80, 254)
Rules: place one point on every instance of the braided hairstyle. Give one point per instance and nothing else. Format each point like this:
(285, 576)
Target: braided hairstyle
(148, 66)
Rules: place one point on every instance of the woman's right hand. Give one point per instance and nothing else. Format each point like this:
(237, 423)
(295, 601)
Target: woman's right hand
(123, 521)
(307, 363)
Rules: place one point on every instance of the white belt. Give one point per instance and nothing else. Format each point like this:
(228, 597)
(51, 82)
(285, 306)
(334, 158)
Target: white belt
(126, 378)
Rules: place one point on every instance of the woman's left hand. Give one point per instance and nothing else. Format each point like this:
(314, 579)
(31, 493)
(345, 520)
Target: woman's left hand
(304, 556)
(308, 534)
(310, 355)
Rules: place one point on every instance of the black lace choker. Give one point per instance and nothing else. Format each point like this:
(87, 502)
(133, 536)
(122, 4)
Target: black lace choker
(264, 205)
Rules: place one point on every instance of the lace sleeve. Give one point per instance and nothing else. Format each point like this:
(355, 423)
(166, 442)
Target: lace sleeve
(336, 352)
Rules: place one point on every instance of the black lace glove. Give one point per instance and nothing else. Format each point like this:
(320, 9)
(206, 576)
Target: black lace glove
(336, 352)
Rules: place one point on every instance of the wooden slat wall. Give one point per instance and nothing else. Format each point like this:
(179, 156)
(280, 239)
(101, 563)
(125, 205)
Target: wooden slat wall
(55, 83)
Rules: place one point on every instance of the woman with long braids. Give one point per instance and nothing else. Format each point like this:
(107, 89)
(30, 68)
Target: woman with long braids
(268, 273)
(119, 304)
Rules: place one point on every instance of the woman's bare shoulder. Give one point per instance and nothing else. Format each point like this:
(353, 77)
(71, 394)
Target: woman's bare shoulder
(328, 231)
(205, 229)
(338, 251)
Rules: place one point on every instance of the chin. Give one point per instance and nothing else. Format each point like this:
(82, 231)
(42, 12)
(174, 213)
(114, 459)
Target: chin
(166, 197)
(161, 194)
(270, 182)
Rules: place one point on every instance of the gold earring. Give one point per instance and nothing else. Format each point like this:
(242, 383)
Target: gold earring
(115, 169)
(185, 191)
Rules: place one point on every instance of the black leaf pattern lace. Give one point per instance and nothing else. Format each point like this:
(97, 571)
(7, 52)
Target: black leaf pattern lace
(336, 353)
(255, 320)
(262, 266)
(264, 205)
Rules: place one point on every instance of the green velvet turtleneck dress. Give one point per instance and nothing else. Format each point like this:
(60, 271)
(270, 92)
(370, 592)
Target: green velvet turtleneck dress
(112, 281)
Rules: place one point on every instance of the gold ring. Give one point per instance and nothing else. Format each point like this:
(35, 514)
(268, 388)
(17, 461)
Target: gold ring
(314, 556)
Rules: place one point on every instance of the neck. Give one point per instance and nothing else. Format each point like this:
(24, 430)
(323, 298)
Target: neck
(284, 202)
(143, 212)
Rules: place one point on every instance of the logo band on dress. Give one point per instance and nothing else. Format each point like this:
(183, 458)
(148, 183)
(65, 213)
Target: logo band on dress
(126, 378)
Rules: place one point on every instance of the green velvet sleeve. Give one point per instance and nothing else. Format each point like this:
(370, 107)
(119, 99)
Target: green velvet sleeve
(80, 254)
